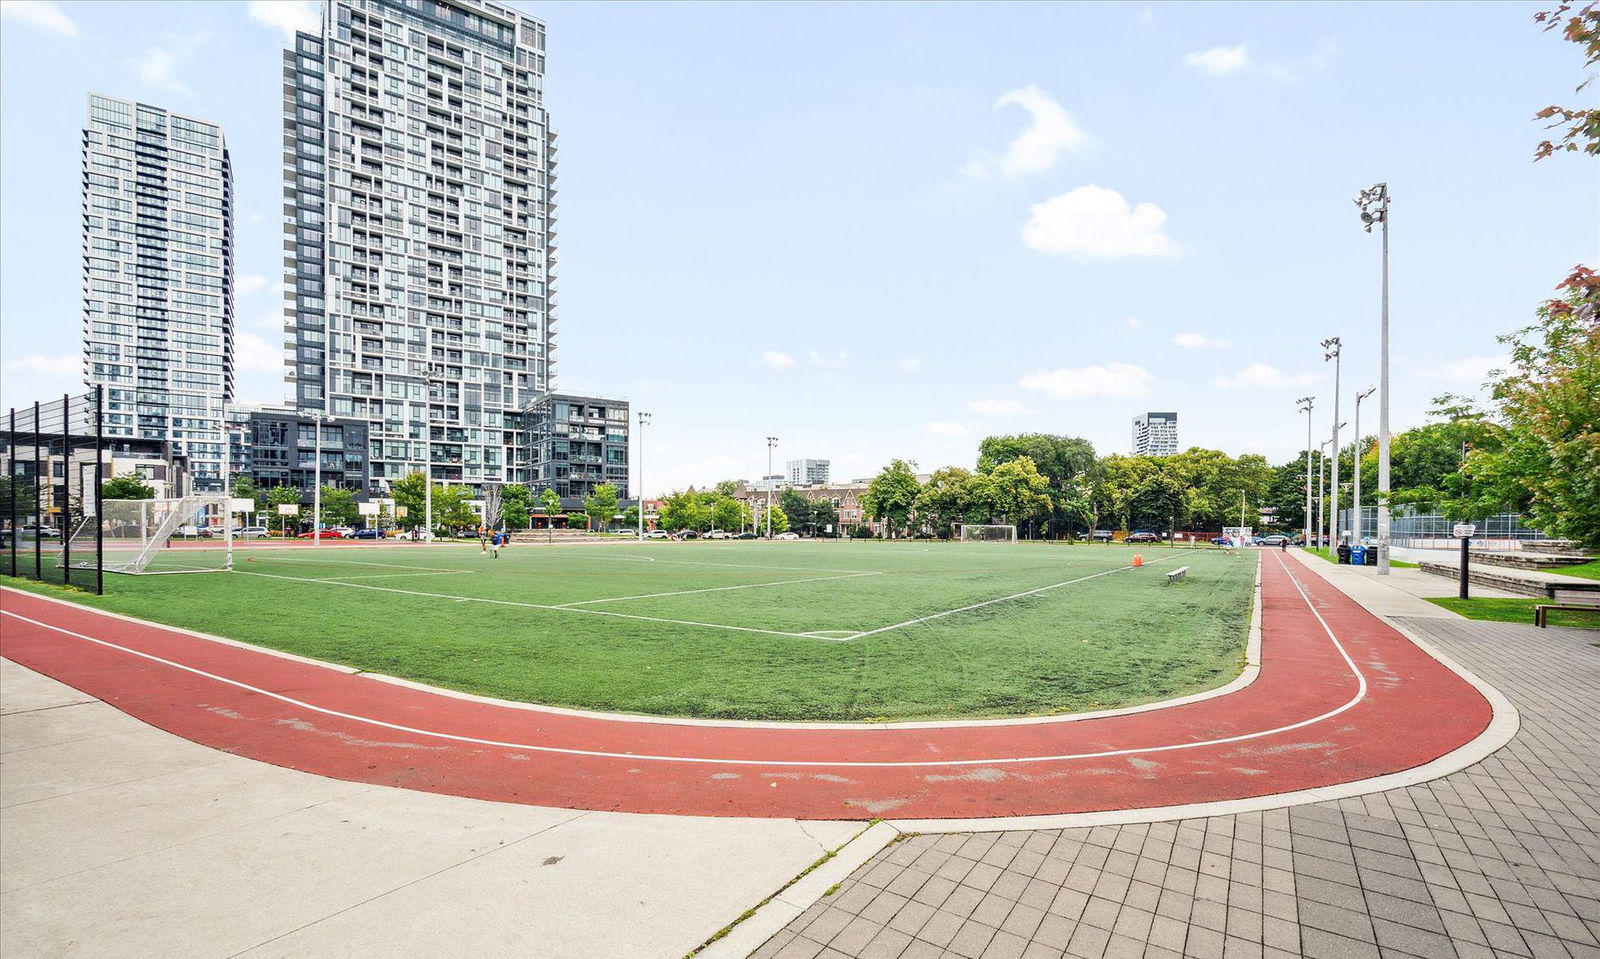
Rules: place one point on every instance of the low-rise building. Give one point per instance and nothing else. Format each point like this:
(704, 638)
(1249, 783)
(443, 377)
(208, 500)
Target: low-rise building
(575, 443)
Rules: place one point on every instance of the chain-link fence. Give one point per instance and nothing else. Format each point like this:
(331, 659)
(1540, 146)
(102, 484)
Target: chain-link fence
(50, 501)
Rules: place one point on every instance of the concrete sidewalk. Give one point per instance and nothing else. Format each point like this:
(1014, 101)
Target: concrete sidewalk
(118, 839)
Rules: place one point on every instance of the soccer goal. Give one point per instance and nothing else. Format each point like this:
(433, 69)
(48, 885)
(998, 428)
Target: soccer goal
(147, 536)
(976, 533)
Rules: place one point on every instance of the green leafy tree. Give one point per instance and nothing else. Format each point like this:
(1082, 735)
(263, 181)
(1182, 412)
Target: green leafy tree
(945, 500)
(1080, 504)
(244, 487)
(1157, 502)
(684, 510)
(799, 509)
(601, 506)
(338, 506)
(452, 508)
(549, 502)
(892, 494)
(779, 518)
(410, 494)
(728, 513)
(823, 515)
(1582, 131)
(283, 496)
(516, 504)
(1060, 459)
(630, 518)
(726, 488)
(22, 488)
(127, 486)
(1016, 492)
(1548, 462)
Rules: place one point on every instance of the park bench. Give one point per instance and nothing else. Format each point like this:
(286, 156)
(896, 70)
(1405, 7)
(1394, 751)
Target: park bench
(1566, 600)
(1177, 574)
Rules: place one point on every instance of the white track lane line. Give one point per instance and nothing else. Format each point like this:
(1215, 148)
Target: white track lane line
(719, 589)
(1361, 693)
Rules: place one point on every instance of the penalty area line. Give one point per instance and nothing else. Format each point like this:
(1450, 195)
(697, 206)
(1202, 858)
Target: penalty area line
(719, 589)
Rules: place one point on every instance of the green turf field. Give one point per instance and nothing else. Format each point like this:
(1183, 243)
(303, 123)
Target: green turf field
(796, 631)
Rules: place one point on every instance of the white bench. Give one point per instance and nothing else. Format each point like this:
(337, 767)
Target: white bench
(1177, 574)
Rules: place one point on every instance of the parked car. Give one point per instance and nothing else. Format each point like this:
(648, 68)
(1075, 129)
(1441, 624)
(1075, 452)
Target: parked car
(719, 534)
(686, 534)
(251, 532)
(191, 531)
(657, 534)
(1276, 539)
(745, 535)
(326, 534)
(787, 535)
(368, 533)
(1142, 536)
(1099, 536)
(619, 531)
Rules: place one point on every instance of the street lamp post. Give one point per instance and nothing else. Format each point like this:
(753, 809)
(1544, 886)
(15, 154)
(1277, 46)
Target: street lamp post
(1333, 350)
(644, 418)
(1306, 402)
(1322, 497)
(1373, 203)
(1355, 499)
(317, 419)
(772, 441)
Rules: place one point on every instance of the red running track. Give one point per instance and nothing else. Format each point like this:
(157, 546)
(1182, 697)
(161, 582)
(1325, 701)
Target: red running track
(1341, 696)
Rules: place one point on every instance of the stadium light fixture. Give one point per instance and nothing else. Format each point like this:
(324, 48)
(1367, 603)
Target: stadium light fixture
(317, 417)
(1373, 203)
(1306, 403)
(772, 441)
(1333, 350)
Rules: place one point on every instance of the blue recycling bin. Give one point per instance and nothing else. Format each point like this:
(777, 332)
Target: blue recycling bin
(1358, 555)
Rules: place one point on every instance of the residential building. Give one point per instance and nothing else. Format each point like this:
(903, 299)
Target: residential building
(575, 443)
(1155, 434)
(277, 446)
(419, 189)
(808, 472)
(158, 279)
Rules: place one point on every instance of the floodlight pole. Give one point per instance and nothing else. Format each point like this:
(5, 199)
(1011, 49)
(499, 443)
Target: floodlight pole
(1322, 497)
(317, 417)
(1355, 503)
(772, 442)
(1306, 402)
(1334, 351)
(644, 418)
(227, 489)
(1373, 203)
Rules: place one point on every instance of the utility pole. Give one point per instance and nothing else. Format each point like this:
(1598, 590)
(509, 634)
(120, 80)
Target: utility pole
(1306, 402)
(317, 417)
(772, 442)
(1333, 350)
(1355, 500)
(644, 418)
(1373, 203)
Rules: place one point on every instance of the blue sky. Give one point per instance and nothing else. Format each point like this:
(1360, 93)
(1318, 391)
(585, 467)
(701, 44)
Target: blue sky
(889, 230)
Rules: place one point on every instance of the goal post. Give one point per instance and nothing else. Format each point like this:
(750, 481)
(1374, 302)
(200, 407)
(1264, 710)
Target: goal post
(987, 533)
(148, 536)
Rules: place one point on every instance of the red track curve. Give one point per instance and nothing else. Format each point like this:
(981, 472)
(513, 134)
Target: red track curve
(1341, 696)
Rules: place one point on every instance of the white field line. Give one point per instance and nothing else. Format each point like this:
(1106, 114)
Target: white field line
(718, 589)
(1361, 693)
(691, 562)
(358, 562)
(510, 602)
(442, 572)
(1003, 599)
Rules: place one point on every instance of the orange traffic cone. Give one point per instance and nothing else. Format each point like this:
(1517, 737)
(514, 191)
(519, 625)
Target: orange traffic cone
(1138, 560)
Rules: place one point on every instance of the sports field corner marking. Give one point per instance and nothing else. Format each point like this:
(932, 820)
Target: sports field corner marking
(764, 920)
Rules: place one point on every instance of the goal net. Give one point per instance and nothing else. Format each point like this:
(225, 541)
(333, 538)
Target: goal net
(975, 533)
(153, 536)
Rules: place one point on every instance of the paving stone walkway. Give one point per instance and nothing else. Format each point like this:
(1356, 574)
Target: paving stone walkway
(1499, 859)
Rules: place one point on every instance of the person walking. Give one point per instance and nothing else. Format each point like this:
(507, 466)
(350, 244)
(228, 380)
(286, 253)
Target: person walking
(483, 539)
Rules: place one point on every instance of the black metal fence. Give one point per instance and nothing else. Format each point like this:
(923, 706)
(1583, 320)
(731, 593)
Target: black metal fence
(50, 499)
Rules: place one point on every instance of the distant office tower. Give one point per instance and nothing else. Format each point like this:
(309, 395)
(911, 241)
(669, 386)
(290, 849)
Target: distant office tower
(158, 278)
(419, 183)
(1155, 434)
(808, 472)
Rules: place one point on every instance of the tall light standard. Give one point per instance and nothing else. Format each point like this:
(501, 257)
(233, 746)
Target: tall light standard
(1322, 498)
(317, 419)
(1355, 499)
(1333, 350)
(1306, 402)
(1373, 203)
(644, 418)
(772, 441)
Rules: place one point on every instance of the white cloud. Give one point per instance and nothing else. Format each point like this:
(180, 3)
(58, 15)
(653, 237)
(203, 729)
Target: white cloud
(45, 364)
(998, 406)
(1133, 323)
(1263, 376)
(158, 66)
(39, 13)
(1147, 15)
(1093, 221)
(1471, 369)
(1036, 148)
(779, 360)
(946, 429)
(254, 353)
(1199, 341)
(1118, 380)
(250, 283)
(286, 15)
(910, 364)
(831, 362)
(1219, 60)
